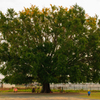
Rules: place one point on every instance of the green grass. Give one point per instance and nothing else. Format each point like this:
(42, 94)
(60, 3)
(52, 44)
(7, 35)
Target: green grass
(53, 90)
(19, 90)
(24, 90)
(93, 92)
(10, 90)
(94, 95)
(69, 91)
(82, 93)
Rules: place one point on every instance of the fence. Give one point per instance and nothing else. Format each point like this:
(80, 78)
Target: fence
(88, 86)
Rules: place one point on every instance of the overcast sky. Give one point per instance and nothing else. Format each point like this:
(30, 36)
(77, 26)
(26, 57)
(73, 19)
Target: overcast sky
(91, 7)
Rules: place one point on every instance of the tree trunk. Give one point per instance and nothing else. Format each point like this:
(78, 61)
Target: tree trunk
(46, 88)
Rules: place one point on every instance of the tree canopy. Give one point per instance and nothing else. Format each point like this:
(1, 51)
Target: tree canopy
(51, 45)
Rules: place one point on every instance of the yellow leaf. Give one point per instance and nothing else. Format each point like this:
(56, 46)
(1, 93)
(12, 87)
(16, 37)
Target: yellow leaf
(47, 9)
(55, 21)
(94, 19)
(33, 6)
(87, 20)
(24, 8)
(43, 10)
(40, 12)
(66, 9)
(27, 12)
(86, 15)
(60, 6)
(51, 5)
(71, 7)
(31, 13)
(22, 11)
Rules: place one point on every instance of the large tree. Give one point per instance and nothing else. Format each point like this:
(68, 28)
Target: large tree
(50, 46)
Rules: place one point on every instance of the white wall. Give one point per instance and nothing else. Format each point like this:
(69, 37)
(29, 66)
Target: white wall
(8, 85)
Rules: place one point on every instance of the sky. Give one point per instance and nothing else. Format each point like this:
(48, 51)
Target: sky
(91, 7)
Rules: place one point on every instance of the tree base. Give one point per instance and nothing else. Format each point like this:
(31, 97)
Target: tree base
(46, 88)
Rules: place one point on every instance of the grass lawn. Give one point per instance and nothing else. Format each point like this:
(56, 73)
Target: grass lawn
(19, 90)
(82, 93)
(94, 95)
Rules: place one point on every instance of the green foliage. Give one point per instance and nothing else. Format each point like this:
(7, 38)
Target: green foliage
(50, 46)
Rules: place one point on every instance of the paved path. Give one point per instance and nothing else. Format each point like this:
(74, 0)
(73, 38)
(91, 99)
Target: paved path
(40, 96)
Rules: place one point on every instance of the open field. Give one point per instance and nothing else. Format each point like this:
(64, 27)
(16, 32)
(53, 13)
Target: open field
(42, 96)
(27, 94)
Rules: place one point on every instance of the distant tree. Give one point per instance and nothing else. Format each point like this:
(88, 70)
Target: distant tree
(50, 46)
